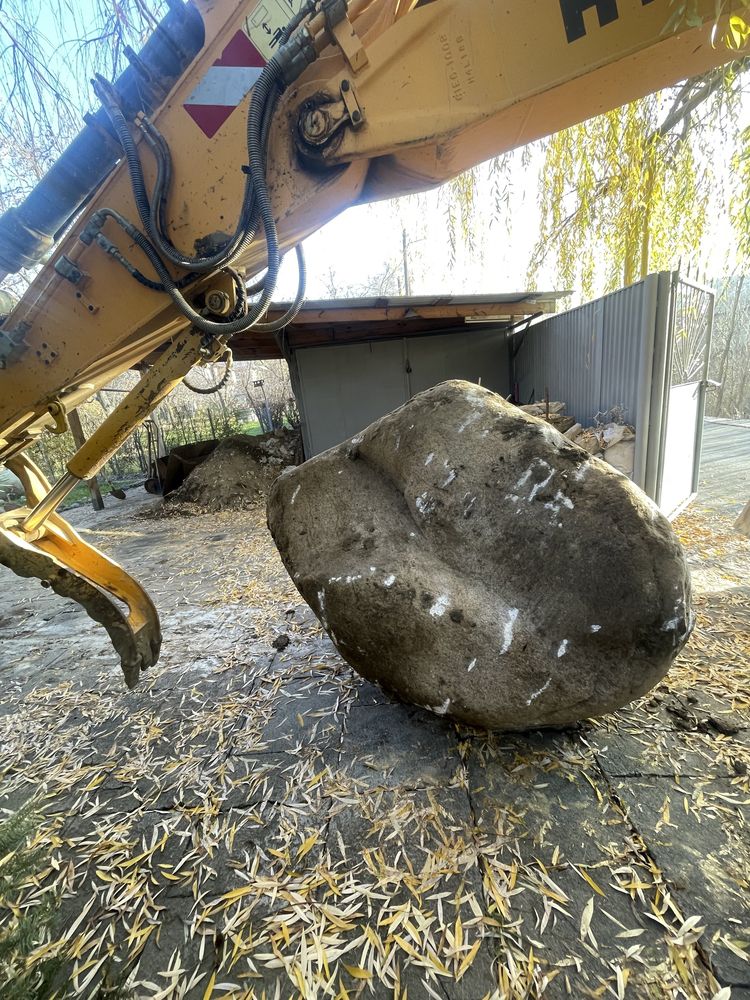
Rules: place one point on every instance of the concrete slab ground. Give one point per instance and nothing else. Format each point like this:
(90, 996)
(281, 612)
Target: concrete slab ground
(262, 824)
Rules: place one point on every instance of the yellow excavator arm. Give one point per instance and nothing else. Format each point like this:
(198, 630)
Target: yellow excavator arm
(240, 129)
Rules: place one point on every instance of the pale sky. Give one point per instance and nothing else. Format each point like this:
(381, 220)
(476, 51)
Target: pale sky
(363, 239)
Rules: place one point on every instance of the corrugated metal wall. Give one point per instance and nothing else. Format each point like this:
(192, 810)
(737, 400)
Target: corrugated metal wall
(343, 389)
(593, 357)
(614, 352)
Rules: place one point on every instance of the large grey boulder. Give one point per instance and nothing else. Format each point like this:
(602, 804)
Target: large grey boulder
(470, 559)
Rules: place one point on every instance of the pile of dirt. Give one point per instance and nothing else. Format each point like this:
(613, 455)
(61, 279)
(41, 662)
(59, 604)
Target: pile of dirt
(237, 474)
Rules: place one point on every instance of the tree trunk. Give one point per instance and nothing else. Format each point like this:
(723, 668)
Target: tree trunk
(728, 345)
(742, 524)
(79, 438)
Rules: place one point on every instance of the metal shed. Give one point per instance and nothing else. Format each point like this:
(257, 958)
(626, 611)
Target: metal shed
(643, 349)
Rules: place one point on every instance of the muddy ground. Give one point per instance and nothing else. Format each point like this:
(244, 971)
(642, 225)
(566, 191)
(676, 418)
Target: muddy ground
(259, 823)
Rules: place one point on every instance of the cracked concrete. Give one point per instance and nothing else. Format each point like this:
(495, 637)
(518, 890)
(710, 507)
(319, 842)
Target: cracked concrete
(256, 822)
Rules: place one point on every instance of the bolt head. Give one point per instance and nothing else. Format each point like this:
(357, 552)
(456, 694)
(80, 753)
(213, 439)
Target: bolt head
(316, 124)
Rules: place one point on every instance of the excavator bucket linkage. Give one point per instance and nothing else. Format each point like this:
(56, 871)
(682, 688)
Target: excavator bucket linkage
(62, 560)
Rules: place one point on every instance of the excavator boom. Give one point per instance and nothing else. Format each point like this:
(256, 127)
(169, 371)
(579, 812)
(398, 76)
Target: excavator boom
(231, 137)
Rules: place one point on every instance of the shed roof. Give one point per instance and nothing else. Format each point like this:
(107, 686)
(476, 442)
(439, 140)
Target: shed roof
(325, 322)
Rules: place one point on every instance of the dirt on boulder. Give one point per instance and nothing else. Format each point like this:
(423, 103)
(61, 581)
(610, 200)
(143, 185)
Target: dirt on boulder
(238, 473)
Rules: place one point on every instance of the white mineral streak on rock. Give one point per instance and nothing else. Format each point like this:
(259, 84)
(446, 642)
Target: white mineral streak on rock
(440, 606)
(552, 435)
(357, 440)
(441, 709)
(582, 469)
(538, 463)
(541, 690)
(429, 458)
(674, 623)
(472, 665)
(398, 442)
(322, 606)
(294, 495)
(389, 581)
(545, 482)
(559, 501)
(525, 477)
(508, 630)
(425, 504)
(449, 480)
(472, 419)
(596, 628)
(563, 648)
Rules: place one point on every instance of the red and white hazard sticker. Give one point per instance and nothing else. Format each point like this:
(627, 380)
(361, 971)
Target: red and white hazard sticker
(231, 78)
(226, 85)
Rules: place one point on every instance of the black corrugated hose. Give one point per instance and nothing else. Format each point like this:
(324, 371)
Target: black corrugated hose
(256, 207)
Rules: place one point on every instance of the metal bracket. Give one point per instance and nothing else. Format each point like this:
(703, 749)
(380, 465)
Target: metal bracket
(67, 269)
(13, 343)
(321, 121)
(341, 30)
(58, 414)
(352, 105)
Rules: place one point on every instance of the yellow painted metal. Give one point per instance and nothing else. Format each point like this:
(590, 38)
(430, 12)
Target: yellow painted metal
(156, 384)
(456, 82)
(447, 85)
(59, 557)
(164, 375)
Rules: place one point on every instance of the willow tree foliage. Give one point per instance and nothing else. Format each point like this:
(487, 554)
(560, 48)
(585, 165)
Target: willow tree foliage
(49, 50)
(635, 190)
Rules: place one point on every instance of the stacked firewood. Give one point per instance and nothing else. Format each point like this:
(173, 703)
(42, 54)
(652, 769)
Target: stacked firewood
(611, 439)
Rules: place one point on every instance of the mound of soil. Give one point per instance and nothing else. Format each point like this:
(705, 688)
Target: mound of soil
(238, 473)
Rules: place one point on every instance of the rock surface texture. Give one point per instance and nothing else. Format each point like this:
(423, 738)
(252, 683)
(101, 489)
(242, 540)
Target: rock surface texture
(470, 559)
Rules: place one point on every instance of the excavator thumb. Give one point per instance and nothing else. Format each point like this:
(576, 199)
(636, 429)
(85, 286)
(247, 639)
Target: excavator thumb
(62, 560)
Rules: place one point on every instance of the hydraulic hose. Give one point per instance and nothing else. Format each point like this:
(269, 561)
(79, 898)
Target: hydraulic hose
(291, 313)
(153, 215)
(256, 207)
(109, 247)
(210, 390)
(248, 222)
(215, 329)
